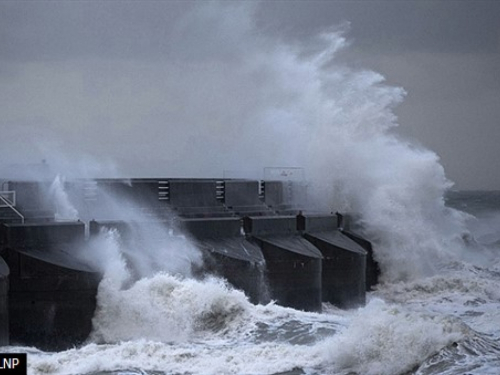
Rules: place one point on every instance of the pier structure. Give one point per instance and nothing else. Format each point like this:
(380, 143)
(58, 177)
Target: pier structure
(258, 235)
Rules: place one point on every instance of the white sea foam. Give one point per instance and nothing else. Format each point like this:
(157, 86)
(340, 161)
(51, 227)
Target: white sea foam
(177, 325)
(474, 355)
(389, 339)
(167, 309)
(174, 325)
(267, 358)
(486, 228)
(174, 309)
(467, 292)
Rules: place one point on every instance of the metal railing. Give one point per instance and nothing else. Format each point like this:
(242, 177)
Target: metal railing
(10, 203)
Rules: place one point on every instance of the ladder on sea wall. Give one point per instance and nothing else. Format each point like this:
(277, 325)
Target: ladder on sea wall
(8, 205)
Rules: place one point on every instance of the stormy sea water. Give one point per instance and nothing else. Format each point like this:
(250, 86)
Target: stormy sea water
(436, 309)
(447, 323)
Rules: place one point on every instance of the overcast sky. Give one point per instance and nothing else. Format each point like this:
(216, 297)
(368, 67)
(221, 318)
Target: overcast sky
(82, 79)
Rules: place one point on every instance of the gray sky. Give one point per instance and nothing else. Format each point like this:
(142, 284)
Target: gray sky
(116, 85)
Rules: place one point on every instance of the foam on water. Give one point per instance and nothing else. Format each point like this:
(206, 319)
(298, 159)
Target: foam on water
(390, 339)
(466, 292)
(170, 324)
(474, 355)
(174, 325)
(486, 228)
(463, 293)
(165, 308)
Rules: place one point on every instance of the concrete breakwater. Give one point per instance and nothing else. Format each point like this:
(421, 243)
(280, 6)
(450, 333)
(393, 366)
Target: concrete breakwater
(259, 235)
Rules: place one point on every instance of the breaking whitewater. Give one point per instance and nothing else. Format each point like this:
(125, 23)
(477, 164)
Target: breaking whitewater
(437, 307)
(447, 323)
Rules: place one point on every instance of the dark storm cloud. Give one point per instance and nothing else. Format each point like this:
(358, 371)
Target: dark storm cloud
(140, 83)
(72, 69)
(55, 30)
(446, 54)
(133, 30)
(393, 26)
(51, 30)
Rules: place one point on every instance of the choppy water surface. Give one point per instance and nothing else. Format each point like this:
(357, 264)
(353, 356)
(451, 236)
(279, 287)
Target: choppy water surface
(443, 324)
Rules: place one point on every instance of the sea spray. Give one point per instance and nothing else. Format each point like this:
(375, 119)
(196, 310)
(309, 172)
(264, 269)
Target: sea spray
(174, 319)
(104, 254)
(356, 164)
(122, 225)
(284, 105)
(64, 209)
(170, 324)
(262, 102)
(166, 308)
(311, 110)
